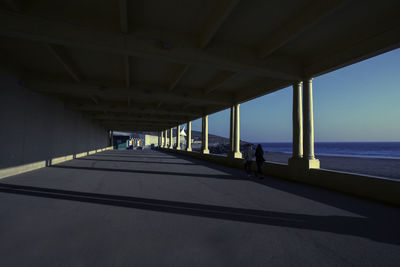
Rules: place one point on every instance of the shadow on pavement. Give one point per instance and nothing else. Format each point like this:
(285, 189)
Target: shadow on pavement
(377, 230)
(217, 176)
(136, 161)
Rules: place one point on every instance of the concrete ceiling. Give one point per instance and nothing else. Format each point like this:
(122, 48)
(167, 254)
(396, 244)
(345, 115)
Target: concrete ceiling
(150, 65)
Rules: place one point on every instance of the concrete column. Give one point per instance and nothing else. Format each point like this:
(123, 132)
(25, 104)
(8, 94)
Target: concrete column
(232, 133)
(308, 123)
(161, 139)
(178, 137)
(297, 118)
(189, 136)
(171, 145)
(236, 152)
(112, 138)
(204, 143)
(165, 139)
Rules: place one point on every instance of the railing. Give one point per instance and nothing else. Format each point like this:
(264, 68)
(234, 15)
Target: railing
(376, 188)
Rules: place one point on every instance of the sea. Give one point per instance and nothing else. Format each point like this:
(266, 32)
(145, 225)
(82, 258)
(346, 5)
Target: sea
(390, 150)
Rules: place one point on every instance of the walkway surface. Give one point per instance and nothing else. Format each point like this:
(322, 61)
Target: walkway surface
(148, 208)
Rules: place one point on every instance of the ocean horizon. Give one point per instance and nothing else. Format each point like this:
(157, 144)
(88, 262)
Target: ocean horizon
(385, 150)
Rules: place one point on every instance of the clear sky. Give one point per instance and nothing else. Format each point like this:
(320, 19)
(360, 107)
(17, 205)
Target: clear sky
(360, 102)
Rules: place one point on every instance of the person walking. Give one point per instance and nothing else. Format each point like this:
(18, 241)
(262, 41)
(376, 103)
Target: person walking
(259, 160)
(248, 156)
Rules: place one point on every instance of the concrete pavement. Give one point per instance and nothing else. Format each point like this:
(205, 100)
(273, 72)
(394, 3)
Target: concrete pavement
(149, 208)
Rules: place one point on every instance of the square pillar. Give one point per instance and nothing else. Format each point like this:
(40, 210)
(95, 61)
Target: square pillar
(204, 143)
(171, 146)
(189, 136)
(178, 137)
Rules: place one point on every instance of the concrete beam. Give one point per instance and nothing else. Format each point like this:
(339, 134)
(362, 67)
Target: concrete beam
(123, 15)
(61, 58)
(305, 19)
(135, 110)
(178, 77)
(152, 92)
(216, 21)
(112, 124)
(95, 100)
(353, 52)
(137, 122)
(136, 128)
(138, 118)
(219, 81)
(127, 71)
(14, 5)
(184, 52)
(186, 105)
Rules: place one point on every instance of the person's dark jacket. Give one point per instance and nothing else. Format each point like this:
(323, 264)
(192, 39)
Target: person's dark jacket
(259, 154)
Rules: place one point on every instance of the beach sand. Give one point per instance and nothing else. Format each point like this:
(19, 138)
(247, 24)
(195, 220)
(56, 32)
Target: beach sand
(389, 168)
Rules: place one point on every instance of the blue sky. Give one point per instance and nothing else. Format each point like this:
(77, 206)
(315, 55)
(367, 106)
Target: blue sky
(360, 102)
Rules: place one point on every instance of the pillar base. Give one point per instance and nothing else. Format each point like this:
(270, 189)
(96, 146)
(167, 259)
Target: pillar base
(178, 148)
(303, 163)
(189, 149)
(234, 155)
(205, 151)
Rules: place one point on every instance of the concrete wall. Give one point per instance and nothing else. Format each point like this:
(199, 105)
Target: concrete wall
(36, 127)
(375, 188)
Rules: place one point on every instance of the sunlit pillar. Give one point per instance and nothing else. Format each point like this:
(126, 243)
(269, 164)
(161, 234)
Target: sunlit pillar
(165, 139)
(161, 139)
(178, 137)
(204, 143)
(237, 153)
(171, 145)
(308, 124)
(189, 136)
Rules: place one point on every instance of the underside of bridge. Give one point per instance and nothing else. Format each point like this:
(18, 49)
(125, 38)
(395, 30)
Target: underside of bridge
(151, 65)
